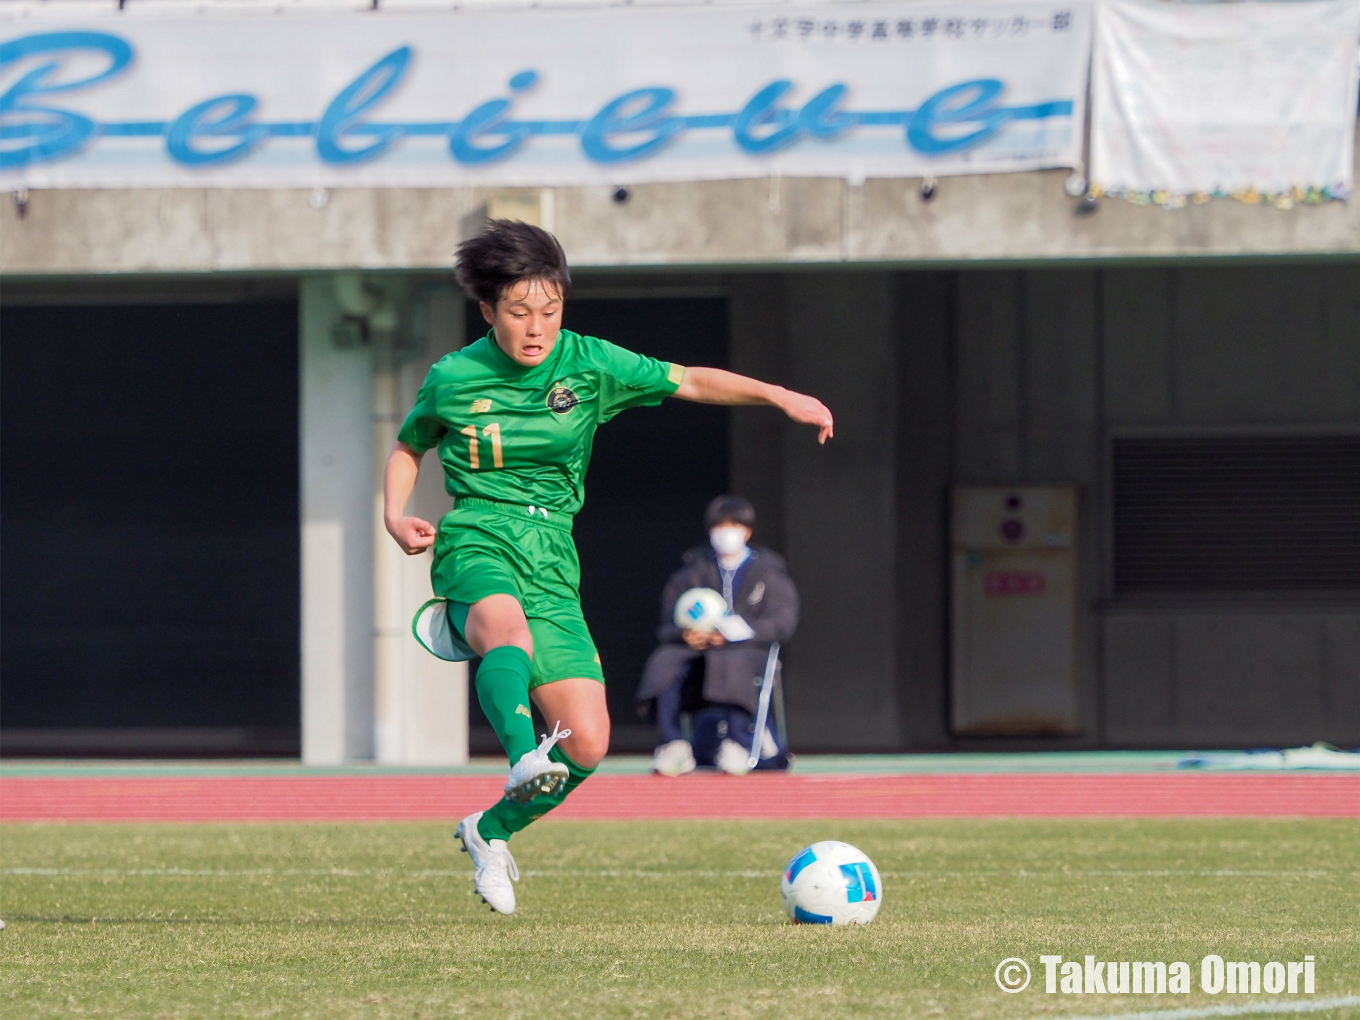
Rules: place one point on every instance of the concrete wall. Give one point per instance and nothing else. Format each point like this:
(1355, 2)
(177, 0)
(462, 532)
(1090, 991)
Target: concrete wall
(861, 519)
(927, 363)
(420, 702)
(337, 527)
(767, 222)
(1010, 376)
(840, 509)
(367, 689)
(1265, 348)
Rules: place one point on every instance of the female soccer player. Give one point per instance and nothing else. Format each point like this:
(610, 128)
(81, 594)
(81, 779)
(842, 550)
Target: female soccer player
(514, 416)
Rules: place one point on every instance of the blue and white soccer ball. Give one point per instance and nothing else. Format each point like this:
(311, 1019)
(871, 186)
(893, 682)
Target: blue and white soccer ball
(700, 609)
(831, 883)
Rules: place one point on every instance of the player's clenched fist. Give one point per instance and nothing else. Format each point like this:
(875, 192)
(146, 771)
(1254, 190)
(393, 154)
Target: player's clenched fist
(412, 534)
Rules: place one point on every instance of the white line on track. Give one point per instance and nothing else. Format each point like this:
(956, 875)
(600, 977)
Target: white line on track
(1274, 1006)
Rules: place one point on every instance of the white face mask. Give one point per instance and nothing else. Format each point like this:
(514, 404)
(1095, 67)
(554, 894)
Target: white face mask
(728, 540)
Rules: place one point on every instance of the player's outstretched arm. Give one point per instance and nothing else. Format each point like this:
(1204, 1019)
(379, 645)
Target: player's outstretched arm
(412, 534)
(717, 386)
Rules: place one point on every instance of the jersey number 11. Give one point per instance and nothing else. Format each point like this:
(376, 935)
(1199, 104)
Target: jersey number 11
(494, 431)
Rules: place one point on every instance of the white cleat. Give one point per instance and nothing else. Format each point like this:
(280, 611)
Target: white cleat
(732, 758)
(673, 759)
(495, 869)
(536, 774)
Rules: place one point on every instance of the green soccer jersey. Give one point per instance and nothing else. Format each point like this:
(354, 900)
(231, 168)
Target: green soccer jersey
(521, 434)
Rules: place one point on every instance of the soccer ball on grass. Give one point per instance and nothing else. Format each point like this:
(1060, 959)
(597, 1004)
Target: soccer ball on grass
(831, 883)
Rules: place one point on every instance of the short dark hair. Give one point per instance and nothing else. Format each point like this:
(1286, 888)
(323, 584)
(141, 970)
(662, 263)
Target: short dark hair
(507, 252)
(730, 508)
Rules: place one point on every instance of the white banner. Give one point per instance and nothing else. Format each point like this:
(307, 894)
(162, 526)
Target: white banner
(536, 98)
(1224, 98)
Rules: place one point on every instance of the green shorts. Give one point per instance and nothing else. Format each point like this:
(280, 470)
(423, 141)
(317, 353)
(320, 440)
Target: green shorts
(485, 548)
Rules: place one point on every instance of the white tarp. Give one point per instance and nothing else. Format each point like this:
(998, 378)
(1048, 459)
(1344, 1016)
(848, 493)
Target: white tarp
(542, 97)
(1222, 98)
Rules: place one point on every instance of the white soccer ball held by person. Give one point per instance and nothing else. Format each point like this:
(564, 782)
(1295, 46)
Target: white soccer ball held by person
(700, 609)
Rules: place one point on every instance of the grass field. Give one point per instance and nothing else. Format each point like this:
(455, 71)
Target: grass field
(651, 919)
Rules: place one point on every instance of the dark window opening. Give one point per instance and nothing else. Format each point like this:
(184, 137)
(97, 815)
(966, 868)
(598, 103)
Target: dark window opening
(150, 529)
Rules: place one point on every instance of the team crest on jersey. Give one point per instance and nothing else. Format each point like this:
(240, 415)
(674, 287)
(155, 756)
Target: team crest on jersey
(562, 399)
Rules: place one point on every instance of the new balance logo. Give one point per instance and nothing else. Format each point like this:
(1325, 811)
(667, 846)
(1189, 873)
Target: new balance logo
(480, 406)
(524, 711)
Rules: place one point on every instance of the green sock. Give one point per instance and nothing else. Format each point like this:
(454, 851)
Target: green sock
(503, 692)
(508, 816)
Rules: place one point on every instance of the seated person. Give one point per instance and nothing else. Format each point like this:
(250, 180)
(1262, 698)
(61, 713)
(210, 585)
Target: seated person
(692, 668)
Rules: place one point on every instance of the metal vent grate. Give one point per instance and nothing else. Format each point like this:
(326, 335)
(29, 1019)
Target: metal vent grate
(1277, 513)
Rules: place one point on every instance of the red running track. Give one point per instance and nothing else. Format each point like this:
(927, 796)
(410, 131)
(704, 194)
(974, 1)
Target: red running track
(374, 798)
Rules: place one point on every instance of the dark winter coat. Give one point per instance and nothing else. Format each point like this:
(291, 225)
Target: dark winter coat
(766, 599)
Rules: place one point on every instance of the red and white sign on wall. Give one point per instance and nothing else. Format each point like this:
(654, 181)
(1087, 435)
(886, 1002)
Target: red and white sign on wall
(1013, 582)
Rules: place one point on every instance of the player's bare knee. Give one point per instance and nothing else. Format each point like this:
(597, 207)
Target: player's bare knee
(589, 745)
(487, 639)
(497, 621)
(520, 638)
